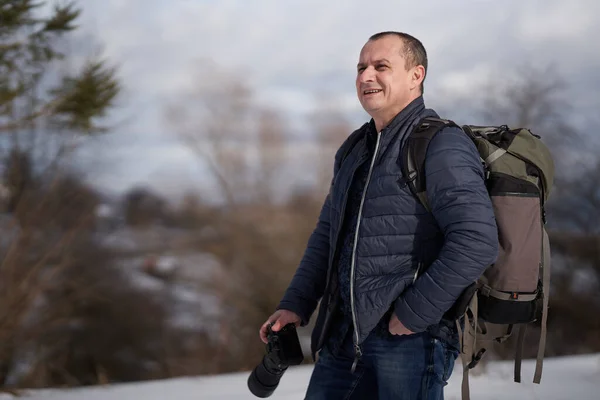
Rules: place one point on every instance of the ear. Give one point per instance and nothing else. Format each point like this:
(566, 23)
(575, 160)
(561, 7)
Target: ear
(417, 74)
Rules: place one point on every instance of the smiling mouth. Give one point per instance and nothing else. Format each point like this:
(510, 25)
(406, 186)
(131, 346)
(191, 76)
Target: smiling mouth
(371, 91)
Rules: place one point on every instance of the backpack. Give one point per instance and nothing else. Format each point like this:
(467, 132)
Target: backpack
(513, 292)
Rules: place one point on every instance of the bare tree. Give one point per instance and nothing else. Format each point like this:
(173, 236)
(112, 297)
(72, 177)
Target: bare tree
(258, 236)
(271, 149)
(213, 120)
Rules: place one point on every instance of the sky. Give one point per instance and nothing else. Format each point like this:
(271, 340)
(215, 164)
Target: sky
(294, 53)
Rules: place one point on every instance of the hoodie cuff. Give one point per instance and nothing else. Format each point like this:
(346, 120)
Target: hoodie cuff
(408, 317)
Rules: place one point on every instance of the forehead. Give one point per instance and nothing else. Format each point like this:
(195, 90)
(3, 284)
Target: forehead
(388, 47)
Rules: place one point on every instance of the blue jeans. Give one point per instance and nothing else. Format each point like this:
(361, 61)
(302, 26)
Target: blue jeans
(414, 367)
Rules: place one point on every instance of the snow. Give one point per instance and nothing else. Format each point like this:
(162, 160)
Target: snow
(576, 377)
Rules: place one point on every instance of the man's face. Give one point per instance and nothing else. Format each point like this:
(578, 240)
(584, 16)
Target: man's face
(384, 86)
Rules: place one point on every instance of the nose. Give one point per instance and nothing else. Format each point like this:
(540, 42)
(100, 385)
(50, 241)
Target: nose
(367, 75)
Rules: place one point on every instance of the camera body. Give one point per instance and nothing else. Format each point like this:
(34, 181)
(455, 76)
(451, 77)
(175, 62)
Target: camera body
(284, 346)
(283, 349)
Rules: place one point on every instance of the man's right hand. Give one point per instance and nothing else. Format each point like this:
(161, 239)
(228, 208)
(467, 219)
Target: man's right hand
(280, 318)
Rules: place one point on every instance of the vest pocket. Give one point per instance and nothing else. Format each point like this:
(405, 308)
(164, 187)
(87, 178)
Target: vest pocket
(510, 286)
(518, 216)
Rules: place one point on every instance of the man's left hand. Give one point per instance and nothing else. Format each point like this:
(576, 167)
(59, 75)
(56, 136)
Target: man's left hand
(397, 328)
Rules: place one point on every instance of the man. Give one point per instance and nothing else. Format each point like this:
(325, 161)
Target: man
(385, 269)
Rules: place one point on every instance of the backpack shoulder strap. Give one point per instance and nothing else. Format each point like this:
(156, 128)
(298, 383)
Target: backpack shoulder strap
(414, 152)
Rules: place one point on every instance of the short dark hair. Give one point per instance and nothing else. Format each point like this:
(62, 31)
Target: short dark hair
(414, 52)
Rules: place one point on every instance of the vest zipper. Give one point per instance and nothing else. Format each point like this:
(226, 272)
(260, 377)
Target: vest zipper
(357, 350)
(419, 265)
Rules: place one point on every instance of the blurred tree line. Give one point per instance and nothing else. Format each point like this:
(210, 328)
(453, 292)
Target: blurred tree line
(67, 316)
(73, 313)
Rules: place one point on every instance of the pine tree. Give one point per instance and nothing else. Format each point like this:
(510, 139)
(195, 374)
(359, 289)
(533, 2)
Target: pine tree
(28, 46)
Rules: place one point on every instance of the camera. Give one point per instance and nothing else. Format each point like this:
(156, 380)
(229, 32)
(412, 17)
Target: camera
(283, 349)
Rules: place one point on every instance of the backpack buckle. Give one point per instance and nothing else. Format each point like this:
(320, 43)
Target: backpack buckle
(424, 126)
(476, 359)
(485, 290)
(412, 175)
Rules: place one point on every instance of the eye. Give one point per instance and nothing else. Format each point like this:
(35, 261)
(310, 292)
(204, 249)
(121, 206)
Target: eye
(381, 67)
(360, 69)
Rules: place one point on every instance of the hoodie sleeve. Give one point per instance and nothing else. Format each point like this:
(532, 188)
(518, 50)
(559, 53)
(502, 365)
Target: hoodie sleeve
(461, 205)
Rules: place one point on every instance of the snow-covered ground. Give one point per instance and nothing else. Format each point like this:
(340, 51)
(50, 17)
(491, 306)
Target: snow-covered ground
(567, 378)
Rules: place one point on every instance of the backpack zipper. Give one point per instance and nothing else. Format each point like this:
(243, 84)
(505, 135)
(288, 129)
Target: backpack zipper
(357, 350)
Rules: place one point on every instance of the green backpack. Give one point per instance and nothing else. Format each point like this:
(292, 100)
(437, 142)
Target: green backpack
(513, 292)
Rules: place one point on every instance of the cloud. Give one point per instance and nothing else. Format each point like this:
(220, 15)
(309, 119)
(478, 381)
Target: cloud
(289, 51)
(277, 42)
(570, 21)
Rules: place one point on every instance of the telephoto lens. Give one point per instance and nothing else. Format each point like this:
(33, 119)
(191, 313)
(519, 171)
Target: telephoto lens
(265, 377)
(283, 350)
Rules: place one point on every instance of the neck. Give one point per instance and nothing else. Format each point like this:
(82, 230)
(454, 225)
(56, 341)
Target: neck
(383, 120)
